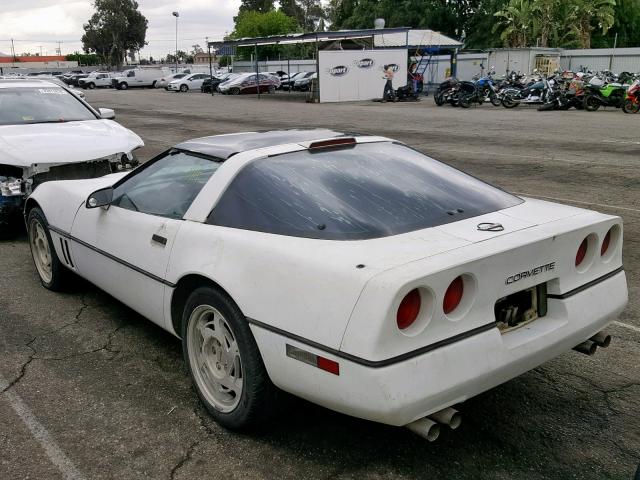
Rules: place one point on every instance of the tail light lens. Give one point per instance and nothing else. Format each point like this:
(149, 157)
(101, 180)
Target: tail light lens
(582, 252)
(453, 296)
(605, 243)
(409, 309)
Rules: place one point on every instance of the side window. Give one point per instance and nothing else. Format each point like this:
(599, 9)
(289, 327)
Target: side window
(131, 73)
(167, 187)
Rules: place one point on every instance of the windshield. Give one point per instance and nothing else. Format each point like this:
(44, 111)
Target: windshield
(20, 106)
(367, 191)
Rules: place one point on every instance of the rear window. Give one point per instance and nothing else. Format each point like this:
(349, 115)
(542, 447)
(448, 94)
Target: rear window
(367, 191)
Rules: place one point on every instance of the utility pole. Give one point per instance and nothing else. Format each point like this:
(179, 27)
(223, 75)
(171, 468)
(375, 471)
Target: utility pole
(59, 50)
(13, 51)
(176, 14)
(40, 46)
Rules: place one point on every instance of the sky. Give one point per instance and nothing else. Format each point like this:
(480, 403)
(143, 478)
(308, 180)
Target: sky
(37, 25)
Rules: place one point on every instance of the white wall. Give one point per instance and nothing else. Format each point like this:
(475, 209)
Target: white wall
(350, 75)
(275, 65)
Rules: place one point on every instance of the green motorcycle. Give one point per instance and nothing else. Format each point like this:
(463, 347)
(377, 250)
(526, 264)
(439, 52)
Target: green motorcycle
(610, 95)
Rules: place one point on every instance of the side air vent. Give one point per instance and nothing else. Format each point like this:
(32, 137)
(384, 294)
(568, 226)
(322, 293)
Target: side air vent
(64, 246)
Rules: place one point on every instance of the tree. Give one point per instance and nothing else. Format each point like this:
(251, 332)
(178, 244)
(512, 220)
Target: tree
(256, 24)
(626, 25)
(260, 6)
(516, 23)
(116, 27)
(589, 15)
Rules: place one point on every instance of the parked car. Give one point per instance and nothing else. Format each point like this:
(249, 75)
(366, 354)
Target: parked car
(303, 84)
(95, 79)
(75, 79)
(354, 272)
(163, 82)
(138, 77)
(48, 133)
(193, 81)
(287, 82)
(247, 83)
(213, 83)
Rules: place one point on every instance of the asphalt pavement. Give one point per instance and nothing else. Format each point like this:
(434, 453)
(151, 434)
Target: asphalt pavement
(89, 389)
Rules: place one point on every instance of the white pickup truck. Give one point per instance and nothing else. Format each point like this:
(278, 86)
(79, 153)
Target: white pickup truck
(95, 79)
(139, 77)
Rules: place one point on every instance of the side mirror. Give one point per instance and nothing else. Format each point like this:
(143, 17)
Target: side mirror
(107, 113)
(100, 198)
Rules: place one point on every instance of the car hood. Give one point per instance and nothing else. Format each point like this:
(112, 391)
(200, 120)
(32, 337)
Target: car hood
(59, 143)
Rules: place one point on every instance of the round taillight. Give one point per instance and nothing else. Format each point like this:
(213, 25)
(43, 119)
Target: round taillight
(408, 310)
(582, 252)
(605, 243)
(453, 296)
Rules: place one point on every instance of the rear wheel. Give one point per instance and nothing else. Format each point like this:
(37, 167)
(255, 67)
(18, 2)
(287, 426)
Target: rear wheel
(224, 362)
(465, 101)
(509, 102)
(495, 101)
(591, 103)
(438, 98)
(272, 89)
(53, 274)
(153, 85)
(629, 106)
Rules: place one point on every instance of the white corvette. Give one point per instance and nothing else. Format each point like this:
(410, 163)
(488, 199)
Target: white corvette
(352, 271)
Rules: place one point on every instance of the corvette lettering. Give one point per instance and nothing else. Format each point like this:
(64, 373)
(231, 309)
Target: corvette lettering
(531, 273)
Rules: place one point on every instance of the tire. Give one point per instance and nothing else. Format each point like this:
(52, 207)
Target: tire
(234, 91)
(630, 107)
(52, 273)
(184, 88)
(237, 407)
(272, 89)
(123, 86)
(495, 101)
(509, 102)
(591, 103)
(153, 85)
(438, 98)
(91, 86)
(465, 101)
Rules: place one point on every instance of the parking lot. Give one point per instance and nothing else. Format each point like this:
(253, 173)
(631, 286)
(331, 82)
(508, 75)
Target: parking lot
(93, 390)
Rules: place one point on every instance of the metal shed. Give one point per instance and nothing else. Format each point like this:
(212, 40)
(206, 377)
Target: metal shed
(615, 59)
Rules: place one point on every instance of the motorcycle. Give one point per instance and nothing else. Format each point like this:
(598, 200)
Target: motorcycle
(631, 103)
(539, 93)
(608, 95)
(445, 91)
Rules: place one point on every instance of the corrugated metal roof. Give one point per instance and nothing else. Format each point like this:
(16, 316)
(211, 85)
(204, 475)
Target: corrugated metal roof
(416, 38)
(594, 52)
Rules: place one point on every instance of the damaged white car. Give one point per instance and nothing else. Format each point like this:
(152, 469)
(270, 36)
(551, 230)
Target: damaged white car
(47, 133)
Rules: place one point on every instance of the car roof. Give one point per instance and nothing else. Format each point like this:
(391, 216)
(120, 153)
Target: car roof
(27, 83)
(225, 146)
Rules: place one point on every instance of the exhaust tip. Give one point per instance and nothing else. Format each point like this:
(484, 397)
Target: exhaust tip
(448, 416)
(588, 348)
(602, 339)
(426, 428)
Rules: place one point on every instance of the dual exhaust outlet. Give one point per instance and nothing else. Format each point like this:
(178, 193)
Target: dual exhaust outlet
(429, 427)
(589, 347)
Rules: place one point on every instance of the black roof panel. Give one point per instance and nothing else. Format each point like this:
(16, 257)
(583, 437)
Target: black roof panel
(225, 146)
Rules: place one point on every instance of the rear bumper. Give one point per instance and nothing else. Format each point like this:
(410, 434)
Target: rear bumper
(399, 393)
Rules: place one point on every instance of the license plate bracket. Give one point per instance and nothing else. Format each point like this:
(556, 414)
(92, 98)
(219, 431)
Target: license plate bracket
(521, 308)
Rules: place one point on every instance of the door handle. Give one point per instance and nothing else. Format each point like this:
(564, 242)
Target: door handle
(159, 239)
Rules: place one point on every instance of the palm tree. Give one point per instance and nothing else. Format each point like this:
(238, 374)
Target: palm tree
(589, 15)
(516, 22)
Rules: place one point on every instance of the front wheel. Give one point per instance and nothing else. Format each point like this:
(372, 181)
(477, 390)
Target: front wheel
(465, 101)
(495, 100)
(439, 98)
(224, 362)
(234, 91)
(591, 103)
(629, 106)
(53, 274)
(123, 86)
(92, 86)
(184, 88)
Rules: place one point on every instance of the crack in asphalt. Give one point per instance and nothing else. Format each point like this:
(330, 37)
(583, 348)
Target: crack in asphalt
(34, 352)
(184, 459)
